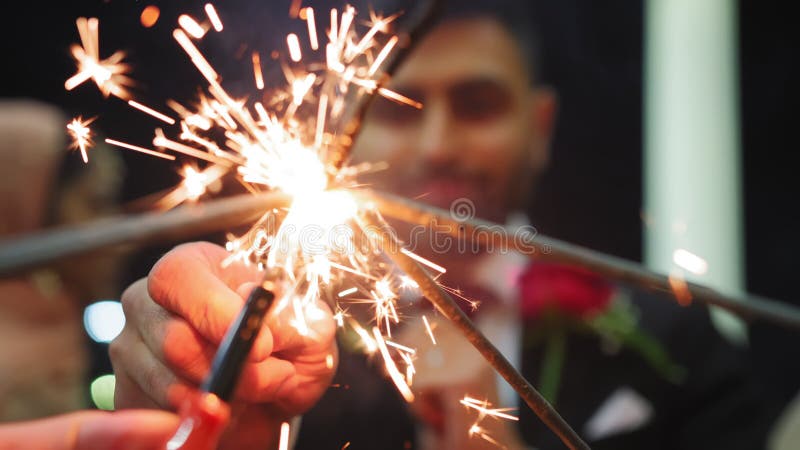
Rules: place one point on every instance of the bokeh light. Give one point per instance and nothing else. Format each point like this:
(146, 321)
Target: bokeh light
(102, 390)
(104, 320)
(150, 16)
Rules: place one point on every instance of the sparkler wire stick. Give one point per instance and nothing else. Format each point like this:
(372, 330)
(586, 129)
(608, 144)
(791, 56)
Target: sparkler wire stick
(434, 292)
(21, 254)
(541, 247)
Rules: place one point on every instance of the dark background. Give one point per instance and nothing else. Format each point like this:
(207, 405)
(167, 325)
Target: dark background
(592, 53)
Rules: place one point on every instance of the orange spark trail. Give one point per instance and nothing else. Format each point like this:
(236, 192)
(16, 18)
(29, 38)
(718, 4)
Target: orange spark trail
(429, 330)
(294, 47)
(152, 112)
(391, 367)
(191, 26)
(259, 77)
(382, 55)
(312, 29)
(424, 261)
(213, 17)
(139, 149)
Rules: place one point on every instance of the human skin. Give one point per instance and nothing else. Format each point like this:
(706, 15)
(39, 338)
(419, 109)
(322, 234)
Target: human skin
(483, 133)
(175, 320)
(92, 430)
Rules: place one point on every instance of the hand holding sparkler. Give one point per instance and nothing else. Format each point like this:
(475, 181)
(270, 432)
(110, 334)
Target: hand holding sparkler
(176, 319)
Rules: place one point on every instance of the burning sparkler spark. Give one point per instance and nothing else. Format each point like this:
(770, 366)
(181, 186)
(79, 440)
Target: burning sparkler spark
(108, 74)
(81, 136)
(484, 409)
(287, 141)
(213, 17)
(295, 142)
(191, 26)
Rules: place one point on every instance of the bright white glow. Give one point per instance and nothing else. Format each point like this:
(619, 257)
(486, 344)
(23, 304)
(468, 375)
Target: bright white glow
(191, 26)
(104, 320)
(687, 260)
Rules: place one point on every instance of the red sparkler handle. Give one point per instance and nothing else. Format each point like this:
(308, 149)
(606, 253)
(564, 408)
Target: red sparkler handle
(203, 419)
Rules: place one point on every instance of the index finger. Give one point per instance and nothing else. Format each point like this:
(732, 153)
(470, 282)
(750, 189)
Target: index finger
(93, 430)
(191, 282)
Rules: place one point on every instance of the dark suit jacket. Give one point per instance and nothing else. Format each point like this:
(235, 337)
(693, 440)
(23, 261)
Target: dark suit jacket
(716, 407)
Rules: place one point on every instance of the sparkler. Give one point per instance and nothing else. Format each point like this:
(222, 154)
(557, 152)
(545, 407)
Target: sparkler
(485, 410)
(81, 136)
(290, 145)
(108, 74)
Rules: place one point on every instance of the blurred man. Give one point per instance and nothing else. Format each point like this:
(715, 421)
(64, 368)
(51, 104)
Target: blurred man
(483, 138)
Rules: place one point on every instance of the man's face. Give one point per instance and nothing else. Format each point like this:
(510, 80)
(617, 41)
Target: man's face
(482, 134)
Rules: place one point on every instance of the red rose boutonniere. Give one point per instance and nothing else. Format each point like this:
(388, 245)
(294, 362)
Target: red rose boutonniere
(562, 299)
(573, 291)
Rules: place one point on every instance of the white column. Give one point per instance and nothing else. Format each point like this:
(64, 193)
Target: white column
(692, 169)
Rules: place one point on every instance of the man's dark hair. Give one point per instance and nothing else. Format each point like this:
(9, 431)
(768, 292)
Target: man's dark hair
(516, 17)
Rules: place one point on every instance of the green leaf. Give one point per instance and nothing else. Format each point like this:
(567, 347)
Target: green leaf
(554, 354)
(619, 324)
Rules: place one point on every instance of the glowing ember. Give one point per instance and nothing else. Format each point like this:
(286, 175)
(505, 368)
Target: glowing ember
(108, 74)
(429, 329)
(81, 136)
(213, 17)
(294, 47)
(257, 74)
(152, 112)
(484, 409)
(191, 26)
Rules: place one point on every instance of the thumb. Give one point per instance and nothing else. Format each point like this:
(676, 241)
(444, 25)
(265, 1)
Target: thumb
(92, 430)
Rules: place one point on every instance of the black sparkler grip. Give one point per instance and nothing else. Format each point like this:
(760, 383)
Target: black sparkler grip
(236, 345)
